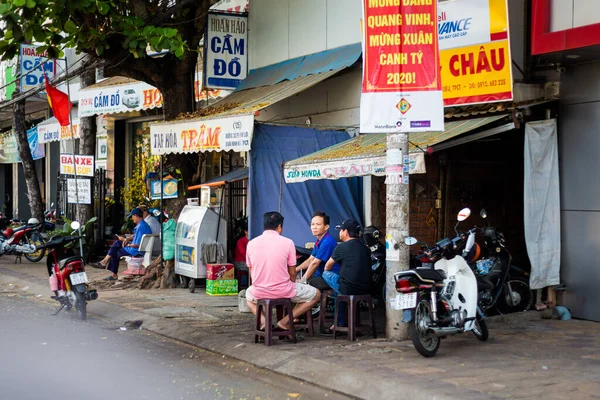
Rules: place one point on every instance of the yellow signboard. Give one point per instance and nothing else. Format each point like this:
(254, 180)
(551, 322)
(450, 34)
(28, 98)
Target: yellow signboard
(475, 51)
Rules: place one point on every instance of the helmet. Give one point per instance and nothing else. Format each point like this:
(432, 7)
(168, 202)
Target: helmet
(473, 254)
(33, 221)
(371, 235)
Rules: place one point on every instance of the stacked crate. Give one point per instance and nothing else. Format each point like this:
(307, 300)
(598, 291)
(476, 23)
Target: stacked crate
(220, 280)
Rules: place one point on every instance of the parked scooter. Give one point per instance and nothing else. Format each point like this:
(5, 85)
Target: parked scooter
(69, 279)
(372, 238)
(501, 285)
(23, 241)
(441, 301)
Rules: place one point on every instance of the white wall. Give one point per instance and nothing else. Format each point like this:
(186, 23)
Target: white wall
(567, 14)
(283, 29)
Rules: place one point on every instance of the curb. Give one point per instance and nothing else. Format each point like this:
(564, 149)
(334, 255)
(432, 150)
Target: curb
(326, 374)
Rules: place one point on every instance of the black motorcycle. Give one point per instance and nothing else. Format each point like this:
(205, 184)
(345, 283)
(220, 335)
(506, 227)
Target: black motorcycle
(503, 287)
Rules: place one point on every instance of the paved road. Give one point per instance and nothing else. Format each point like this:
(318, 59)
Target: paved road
(52, 357)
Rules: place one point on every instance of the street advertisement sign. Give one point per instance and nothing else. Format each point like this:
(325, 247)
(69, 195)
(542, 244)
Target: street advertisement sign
(169, 189)
(344, 168)
(133, 96)
(80, 193)
(475, 51)
(226, 54)
(401, 88)
(84, 164)
(34, 63)
(222, 134)
(9, 151)
(53, 132)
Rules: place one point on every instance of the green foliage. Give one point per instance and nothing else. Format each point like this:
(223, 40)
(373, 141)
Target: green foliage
(92, 26)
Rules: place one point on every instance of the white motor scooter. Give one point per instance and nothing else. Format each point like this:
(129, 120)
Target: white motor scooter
(441, 301)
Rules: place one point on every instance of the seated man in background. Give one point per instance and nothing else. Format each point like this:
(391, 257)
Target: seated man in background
(271, 259)
(354, 259)
(324, 246)
(150, 220)
(124, 246)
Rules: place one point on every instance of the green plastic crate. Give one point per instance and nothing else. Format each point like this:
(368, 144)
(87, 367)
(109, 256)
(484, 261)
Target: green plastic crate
(222, 287)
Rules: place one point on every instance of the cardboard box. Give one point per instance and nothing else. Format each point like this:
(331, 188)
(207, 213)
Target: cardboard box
(219, 271)
(222, 287)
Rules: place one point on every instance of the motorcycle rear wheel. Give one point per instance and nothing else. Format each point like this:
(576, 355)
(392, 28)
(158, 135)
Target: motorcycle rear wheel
(81, 305)
(481, 330)
(521, 299)
(426, 343)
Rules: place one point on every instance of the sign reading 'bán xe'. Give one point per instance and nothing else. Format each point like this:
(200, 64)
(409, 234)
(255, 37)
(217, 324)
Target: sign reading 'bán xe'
(221, 134)
(401, 88)
(475, 51)
(84, 164)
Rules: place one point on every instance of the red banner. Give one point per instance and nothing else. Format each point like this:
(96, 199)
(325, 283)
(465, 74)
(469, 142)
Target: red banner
(402, 90)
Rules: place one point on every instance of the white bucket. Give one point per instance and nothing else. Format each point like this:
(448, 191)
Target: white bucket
(242, 304)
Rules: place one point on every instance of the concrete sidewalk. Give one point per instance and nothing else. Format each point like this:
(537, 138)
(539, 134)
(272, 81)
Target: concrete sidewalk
(525, 357)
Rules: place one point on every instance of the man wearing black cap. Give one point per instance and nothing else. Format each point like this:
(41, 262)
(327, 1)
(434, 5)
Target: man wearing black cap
(354, 259)
(124, 246)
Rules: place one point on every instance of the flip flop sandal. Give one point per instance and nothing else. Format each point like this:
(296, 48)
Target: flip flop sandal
(97, 265)
(110, 278)
(289, 339)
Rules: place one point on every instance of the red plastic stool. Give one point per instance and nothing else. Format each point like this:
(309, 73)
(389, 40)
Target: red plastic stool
(351, 302)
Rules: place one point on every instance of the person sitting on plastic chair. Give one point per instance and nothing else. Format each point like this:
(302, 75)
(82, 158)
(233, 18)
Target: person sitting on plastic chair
(125, 246)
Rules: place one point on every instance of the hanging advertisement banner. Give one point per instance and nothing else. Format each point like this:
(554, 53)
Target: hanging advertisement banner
(169, 189)
(222, 134)
(401, 88)
(9, 151)
(53, 132)
(349, 168)
(32, 66)
(226, 53)
(118, 98)
(475, 51)
(84, 164)
(80, 193)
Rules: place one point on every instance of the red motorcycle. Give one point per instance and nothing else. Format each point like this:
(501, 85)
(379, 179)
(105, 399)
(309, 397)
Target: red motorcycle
(24, 240)
(68, 279)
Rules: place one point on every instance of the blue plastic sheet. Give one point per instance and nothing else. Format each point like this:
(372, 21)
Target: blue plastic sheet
(317, 63)
(271, 146)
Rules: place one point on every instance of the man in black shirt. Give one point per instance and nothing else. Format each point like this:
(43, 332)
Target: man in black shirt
(354, 259)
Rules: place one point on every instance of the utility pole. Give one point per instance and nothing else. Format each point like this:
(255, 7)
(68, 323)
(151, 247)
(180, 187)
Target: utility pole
(396, 228)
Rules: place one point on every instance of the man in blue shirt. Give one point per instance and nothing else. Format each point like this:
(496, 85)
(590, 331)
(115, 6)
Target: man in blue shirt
(322, 252)
(125, 246)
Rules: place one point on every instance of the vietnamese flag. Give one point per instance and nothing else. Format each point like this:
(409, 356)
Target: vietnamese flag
(59, 103)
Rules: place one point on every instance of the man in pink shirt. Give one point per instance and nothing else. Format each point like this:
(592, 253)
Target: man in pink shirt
(272, 262)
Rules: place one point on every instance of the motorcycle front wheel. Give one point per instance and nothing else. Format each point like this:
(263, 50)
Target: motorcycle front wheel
(35, 240)
(481, 330)
(81, 305)
(519, 298)
(426, 343)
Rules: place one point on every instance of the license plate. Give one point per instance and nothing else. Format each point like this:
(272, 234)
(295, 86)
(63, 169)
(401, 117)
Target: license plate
(79, 278)
(404, 301)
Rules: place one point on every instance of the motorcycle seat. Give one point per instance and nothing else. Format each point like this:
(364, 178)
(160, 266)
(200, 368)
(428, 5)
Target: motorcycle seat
(431, 274)
(62, 263)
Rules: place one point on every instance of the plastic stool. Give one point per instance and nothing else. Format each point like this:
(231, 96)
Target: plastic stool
(351, 302)
(306, 323)
(325, 295)
(266, 306)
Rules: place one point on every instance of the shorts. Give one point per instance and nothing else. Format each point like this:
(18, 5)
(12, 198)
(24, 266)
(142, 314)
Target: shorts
(304, 294)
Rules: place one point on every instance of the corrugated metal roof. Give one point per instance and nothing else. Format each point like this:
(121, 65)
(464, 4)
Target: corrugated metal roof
(490, 108)
(311, 64)
(252, 100)
(373, 145)
(113, 81)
